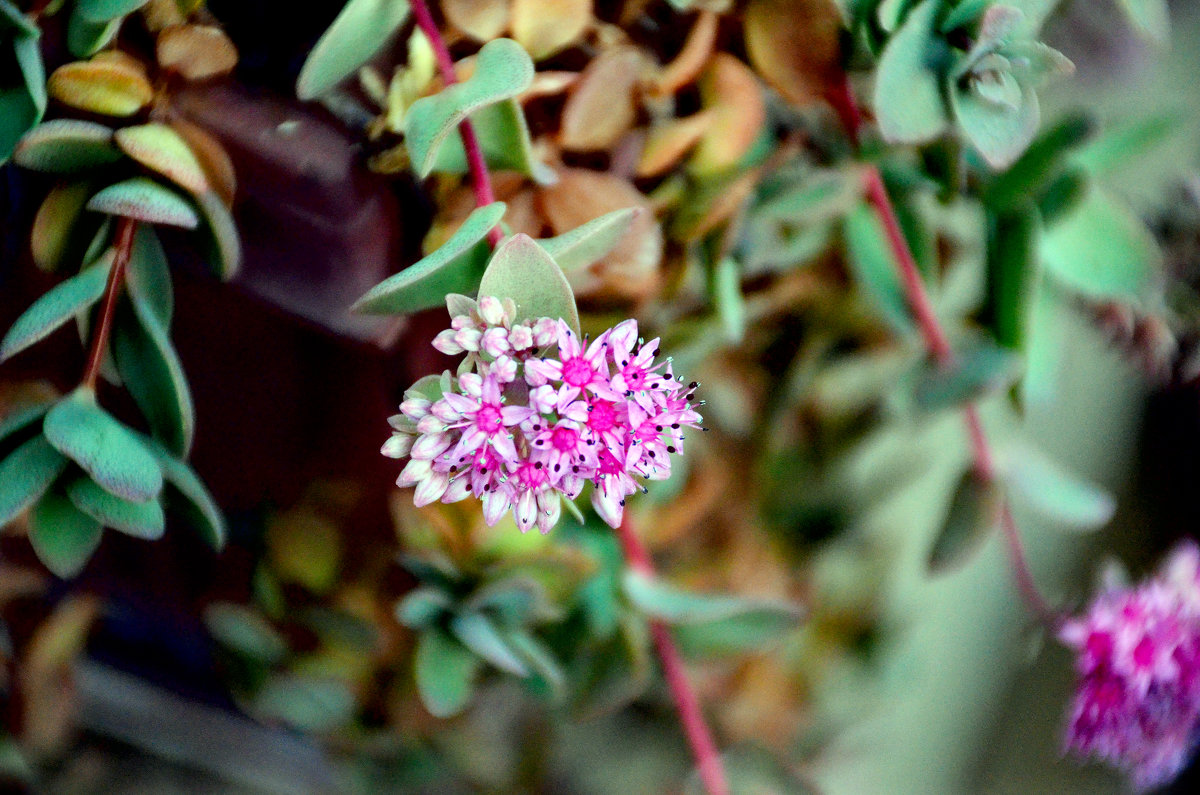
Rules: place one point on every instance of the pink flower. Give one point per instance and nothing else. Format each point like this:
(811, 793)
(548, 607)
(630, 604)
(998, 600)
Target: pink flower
(636, 370)
(484, 417)
(576, 368)
(1138, 656)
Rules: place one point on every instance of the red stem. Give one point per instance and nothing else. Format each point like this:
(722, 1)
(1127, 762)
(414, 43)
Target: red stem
(844, 103)
(123, 246)
(480, 178)
(691, 716)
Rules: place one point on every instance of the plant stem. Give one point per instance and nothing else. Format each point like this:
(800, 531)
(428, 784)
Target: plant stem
(844, 103)
(480, 178)
(122, 247)
(691, 716)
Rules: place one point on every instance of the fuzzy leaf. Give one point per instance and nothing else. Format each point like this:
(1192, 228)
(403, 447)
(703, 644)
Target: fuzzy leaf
(57, 306)
(307, 703)
(359, 32)
(999, 131)
(445, 672)
(455, 267)
(983, 369)
(972, 515)
(660, 600)
(151, 371)
(25, 475)
(502, 71)
(104, 10)
(18, 114)
(57, 234)
(13, 18)
(521, 270)
(188, 494)
(20, 419)
(422, 606)
(481, 636)
(244, 631)
(504, 138)
(223, 251)
(197, 52)
(871, 264)
(145, 200)
(28, 50)
(138, 519)
(148, 277)
(109, 88)
(85, 37)
(63, 537)
(588, 243)
(1053, 491)
(108, 451)
(160, 149)
(908, 95)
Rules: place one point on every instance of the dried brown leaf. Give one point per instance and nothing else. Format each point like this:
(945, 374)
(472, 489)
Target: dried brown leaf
(686, 66)
(795, 45)
(731, 91)
(482, 20)
(601, 107)
(197, 52)
(213, 157)
(668, 143)
(544, 27)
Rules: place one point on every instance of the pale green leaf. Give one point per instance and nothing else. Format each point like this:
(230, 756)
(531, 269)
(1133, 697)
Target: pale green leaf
(244, 631)
(521, 270)
(25, 475)
(481, 636)
(188, 495)
(422, 606)
(872, 266)
(60, 304)
(977, 371)
(1053, 491)
(145, 200)
(908, 96)
(445, 672)
(503, 137)
(588, 243)
(971, 517)
(138, 519)
(657, 599)
(998, 130)
(63, 537)
(361, 30)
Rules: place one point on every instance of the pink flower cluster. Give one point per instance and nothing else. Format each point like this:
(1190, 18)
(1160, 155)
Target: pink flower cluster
(1138, 656)
(521, 429)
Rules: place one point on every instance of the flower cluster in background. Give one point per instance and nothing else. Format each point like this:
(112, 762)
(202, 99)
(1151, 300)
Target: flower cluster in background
(535, 413)
(1138, 703)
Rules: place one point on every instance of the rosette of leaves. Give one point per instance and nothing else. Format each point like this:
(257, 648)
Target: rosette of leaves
(973, 67)
(22, 77)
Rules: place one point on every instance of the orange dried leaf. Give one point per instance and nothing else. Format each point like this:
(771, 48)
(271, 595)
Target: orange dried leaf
(544, 27)
(686, 66)
(731, 91)
(482, 20)
(213, 157)
(197, 52)
(795, 45)
(162, 150)
(108, 87)
(601, 107)
(668, 143)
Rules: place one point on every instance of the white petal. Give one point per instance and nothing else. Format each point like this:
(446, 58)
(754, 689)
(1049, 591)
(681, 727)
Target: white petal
(413, 473)
(431, 489)
(398, 446)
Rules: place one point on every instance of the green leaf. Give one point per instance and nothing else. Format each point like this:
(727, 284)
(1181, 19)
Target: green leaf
(660, 600)
(1054, 492)
(189, 496)
(63, 537)
(541, 662)
(138, 519)
(359, 32)
(20, 419)
(108, 451)
(223, 252)
(28, 50)
(307, 703)
(18, 114)
(504, 139)
(998, 131)
(244, 631)
(455, 267)
(14, 18)
(481, 636)
(1126, 143)
(972, 515)
(871, 264)
(162, 150)
(521, 270)
(148, 277)
(1062, 195)
(422, 606)
(963, 14)
(908, 95)
(145, 200)
(1101, 249)
(1014, 274)
(978, 371)
(445, 672)
(502, 71)
(515, 599)
(61, 303)
(1150, 17)
(25, 475)
(58, 235)
(105, 10)
(588, 243)
(747, 633)
(85, 38)
(725, 292)
(1042, 163)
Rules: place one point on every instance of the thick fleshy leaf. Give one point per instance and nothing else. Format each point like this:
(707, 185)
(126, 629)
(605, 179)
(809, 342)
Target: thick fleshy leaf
(545, 28)
(502, 71)
(145, 200)
(85, 37)
(480, 635)
(307, 703)
(1014, 274)
(213, 157)
(871, 264)
(504, 138)
(28, 50)
(455, 267)
(998, 131)
(668, 143)
(223, 248)
(1123, 144)
(53, 309)
(63, 537)
(972, 515)
(150, 369)
(160, 149)
(979, 370)
(18, 114)
(445, 672)
(523, 271)
(104, 10)
(197, 52)
(26, 474)
(1101, 249)
(359, 32)
(244, 631)
(13, 19)
(540, 661)
(105, 449)
(422, 606)
(67, 146)
(795, 45)
(658, 599)
(55, 236)
(908, 96)
(588, 243)
(1053, 491)
(148, 277)
(751, 633)
(107, 87)
(138, 519)
(731, 93)
(187, 494)
(16, 424)
(1039, 166)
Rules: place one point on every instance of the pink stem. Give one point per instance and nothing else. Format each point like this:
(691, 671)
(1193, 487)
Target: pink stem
(844, 103)
(691, 717)
(480, 178)
(123, 247)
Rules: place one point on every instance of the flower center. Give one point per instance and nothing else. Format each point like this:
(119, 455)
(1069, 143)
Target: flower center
(488, 419)
(635, 377)
(602, 417)
(577, 372)
(564, 439)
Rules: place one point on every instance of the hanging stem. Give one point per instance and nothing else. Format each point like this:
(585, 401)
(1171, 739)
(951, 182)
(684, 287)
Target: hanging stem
(691, 716)
(122, 247)
(480, 178)
(841, 97)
